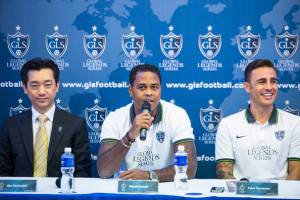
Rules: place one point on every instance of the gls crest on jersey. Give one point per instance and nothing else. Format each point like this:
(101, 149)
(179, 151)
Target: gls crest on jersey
(18, 44)
(248, 44)
(95, 116)
(279, 135)
(160, 136)
(56, 44)
(287, 108)
(94, 44)
(17, 110)
(286, 44)
(132, 44)
(171, 44)
(209, 44)
(210, 117)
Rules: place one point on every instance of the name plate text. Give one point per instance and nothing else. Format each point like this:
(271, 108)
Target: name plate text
(256, 188)
(138, 186)
(17, 185)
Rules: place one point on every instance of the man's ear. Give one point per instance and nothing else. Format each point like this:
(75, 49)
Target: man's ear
(247, 86)
(130, 90)
(57, 85)
(24, 88)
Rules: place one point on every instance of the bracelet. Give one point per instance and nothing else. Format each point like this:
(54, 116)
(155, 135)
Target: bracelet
(123, 143)
(128, 138)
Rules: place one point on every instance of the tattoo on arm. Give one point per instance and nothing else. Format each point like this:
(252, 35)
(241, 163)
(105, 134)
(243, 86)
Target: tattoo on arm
(225, 170)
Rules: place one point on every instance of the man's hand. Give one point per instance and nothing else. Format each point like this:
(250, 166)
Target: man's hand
(142, 120)
(135, 174)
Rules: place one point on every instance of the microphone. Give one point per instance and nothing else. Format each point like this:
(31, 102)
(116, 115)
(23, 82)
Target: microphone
(146, 108)
(57, 182)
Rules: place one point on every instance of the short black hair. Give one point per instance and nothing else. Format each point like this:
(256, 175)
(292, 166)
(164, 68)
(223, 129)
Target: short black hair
(143, 68)
(257, 64)
(38, 64)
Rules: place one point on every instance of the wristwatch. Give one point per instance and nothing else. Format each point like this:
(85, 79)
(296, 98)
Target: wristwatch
(152, 175)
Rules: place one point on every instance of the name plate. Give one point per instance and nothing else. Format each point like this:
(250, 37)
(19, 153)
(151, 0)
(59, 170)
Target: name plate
(138, 186)
(257, 188)
(17, 185)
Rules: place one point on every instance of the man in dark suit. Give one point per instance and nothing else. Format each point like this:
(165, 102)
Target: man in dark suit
(21, 151)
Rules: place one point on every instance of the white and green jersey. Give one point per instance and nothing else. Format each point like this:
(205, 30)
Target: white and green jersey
(259, 151)
(171, 125)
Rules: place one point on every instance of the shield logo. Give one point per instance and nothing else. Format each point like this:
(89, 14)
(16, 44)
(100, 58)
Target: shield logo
(171, 44)
(59, 106)
(132, 44)
(210, 117)
(18, 44)
(279, 135)
(94, 44)
(248, 44)
(209, 44)
(56, 44)
(286, 44)
(291, 110)
(160, 136)
(95, 116)
(288, 109)
(17, 110)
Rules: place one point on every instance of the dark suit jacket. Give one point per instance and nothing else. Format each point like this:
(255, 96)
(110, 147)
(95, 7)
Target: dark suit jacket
(16, 145)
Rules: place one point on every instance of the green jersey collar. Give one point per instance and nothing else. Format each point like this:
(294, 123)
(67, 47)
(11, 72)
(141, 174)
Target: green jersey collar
(157, 118)
(272, 120)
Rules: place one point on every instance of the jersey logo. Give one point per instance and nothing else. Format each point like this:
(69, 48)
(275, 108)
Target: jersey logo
(160, 136)
(279, 135)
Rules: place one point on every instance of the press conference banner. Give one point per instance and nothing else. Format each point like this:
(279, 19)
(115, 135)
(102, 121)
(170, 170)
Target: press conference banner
(201, 47)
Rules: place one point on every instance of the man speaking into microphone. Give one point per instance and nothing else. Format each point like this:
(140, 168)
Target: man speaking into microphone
(145, 134)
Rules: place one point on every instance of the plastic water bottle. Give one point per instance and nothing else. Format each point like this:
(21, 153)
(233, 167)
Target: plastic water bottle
(181, 163)
(67, 169)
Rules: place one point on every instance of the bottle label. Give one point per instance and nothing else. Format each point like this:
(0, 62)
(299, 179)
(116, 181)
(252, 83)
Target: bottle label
(181, 160)
(67, 162)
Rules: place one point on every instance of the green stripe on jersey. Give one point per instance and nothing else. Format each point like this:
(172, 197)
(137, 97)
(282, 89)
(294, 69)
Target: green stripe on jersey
(225, 160)
(294, 159)
(109, 140)
(184, 141)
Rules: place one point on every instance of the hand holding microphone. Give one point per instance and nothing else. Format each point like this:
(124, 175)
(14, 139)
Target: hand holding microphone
(146, 108)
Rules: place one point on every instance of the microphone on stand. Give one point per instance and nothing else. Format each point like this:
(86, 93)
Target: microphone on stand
(146, 108)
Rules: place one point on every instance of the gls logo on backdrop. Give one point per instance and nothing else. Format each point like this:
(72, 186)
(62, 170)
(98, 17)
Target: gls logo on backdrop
(94, 46)
(287, 108)
(248, 45)
(209, 46)
(58, 105)
(57, 45)
(18, 46)
(210, 118)
(94, 117)
(132, 45)
(18, 109)
(171, 45)
(286, 46)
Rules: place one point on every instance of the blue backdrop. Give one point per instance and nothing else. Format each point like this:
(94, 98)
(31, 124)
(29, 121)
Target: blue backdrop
(201, 48)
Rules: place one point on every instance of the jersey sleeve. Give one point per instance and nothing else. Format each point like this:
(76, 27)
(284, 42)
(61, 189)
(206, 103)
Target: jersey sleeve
(109, 130)
(294, 153)
(181, 127)
(224, 143)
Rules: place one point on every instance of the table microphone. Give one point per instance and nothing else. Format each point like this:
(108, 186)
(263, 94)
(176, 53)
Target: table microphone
(57, 182)
(146, 108)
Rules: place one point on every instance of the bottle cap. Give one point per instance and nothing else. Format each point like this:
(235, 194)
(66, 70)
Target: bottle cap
(68, 149)
(180, 148)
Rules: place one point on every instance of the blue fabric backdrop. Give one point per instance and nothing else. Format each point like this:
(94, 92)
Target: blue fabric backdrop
(201, 47)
